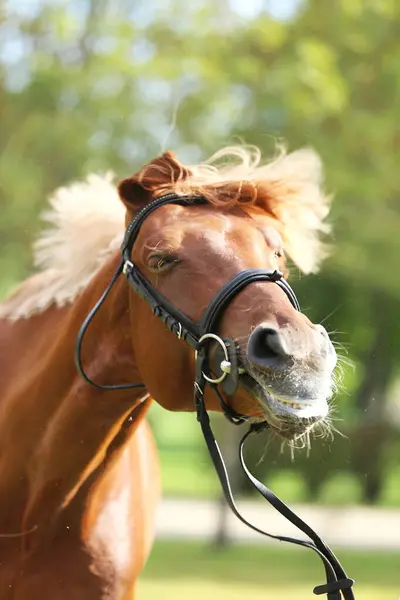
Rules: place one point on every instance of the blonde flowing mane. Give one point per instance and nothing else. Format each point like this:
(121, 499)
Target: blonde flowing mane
(87, 220)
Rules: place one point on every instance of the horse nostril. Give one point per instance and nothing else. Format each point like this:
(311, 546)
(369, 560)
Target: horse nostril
(266, 346)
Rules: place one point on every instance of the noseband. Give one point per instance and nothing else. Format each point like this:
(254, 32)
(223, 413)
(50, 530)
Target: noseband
(219, 369)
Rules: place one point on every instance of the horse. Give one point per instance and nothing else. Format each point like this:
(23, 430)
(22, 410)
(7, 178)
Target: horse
(79, 475)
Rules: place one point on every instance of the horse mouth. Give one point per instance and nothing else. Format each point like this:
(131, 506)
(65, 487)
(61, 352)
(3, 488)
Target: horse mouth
(290, 416)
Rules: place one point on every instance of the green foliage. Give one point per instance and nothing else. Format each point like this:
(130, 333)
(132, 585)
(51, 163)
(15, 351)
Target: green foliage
(341, 489)
(391, 489)
(289, 485)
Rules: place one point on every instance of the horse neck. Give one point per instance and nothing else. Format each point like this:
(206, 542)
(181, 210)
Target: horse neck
(79, 422)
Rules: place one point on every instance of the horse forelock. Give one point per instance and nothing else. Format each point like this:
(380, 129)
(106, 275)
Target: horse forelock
(87, 219)
(289, 187)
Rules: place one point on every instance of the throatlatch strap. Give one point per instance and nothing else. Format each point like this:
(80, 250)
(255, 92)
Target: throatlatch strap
(81, 335)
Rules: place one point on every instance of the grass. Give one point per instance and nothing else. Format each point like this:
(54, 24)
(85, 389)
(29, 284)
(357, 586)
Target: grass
(180, 570)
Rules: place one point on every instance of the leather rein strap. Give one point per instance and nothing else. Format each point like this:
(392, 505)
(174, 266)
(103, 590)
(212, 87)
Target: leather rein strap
(226, 375)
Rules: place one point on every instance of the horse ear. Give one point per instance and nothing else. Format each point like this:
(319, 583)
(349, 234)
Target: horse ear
(160, 176)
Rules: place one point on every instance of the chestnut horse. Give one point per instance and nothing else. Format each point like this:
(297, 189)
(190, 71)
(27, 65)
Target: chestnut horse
(78, 490)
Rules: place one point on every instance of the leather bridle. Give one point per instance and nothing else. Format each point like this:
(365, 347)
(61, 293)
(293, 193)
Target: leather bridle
(223, 369)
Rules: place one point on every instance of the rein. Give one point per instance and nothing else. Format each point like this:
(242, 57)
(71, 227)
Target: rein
(223, 369)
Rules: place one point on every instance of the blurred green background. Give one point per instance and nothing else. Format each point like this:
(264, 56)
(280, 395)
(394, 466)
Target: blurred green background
(96, 85)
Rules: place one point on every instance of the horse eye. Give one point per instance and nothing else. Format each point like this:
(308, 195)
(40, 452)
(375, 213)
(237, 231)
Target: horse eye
(279, 253)
(161, 262)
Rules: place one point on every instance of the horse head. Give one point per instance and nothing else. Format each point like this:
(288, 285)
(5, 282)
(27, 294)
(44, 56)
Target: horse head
(252, 215)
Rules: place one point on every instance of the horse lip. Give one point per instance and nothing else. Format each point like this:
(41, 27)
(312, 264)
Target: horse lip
(283, 410)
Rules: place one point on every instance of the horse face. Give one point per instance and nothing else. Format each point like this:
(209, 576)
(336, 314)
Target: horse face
(188, 254)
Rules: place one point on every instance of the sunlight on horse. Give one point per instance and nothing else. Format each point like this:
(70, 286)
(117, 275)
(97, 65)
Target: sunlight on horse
(83, 488)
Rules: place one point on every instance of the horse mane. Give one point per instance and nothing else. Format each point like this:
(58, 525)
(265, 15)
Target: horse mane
(87, 219)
